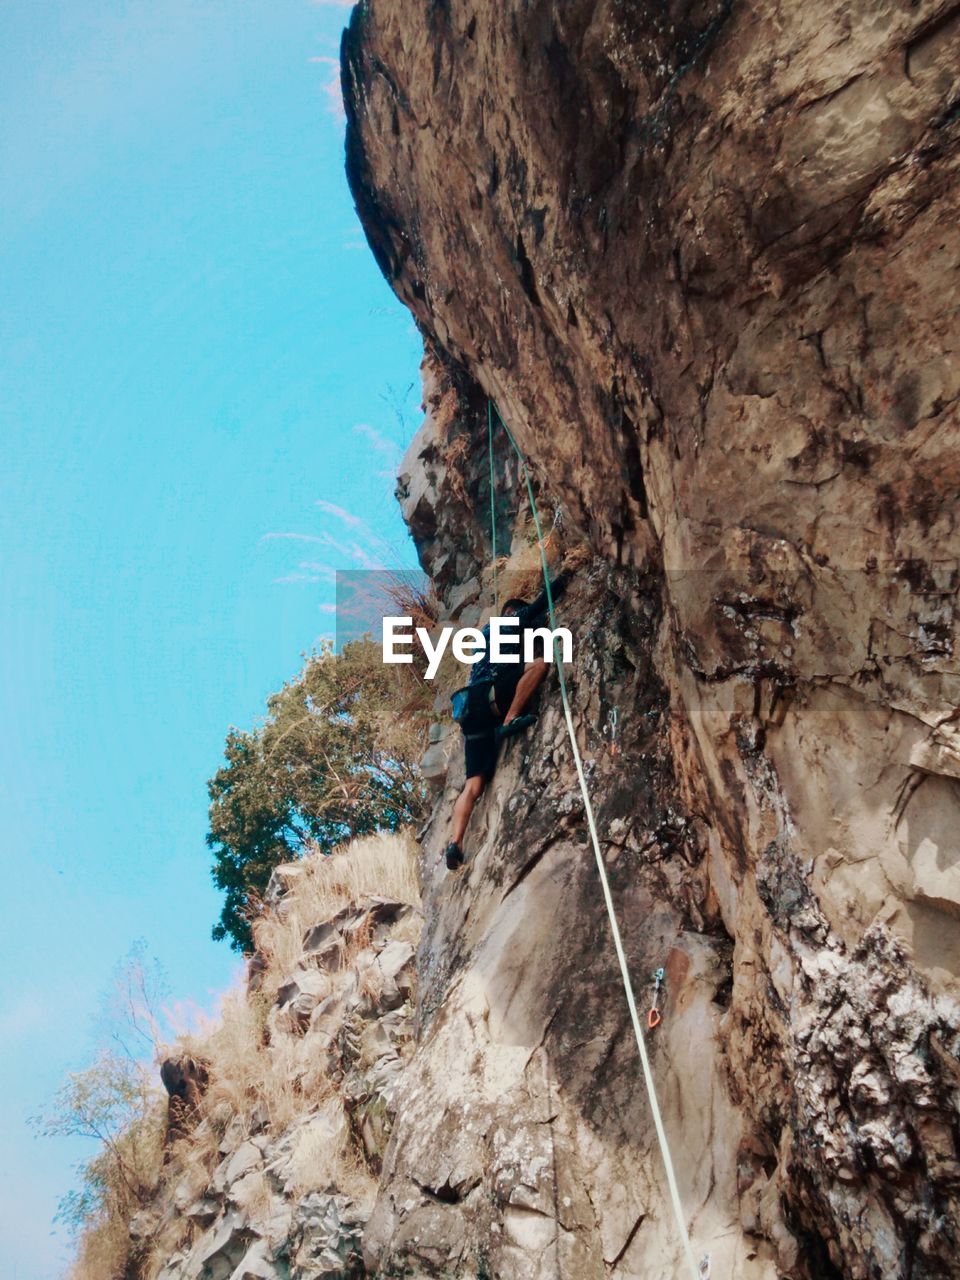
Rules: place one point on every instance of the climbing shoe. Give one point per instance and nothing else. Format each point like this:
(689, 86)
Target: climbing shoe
(516, 725)
(454, 857)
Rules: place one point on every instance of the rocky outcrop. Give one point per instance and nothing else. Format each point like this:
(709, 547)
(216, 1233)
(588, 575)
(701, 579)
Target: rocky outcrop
(184, 1079)
(275, 1177)
(704, 259)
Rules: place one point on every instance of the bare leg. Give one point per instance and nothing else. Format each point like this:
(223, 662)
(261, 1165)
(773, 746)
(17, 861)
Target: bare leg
(468, 797)
(527, 686)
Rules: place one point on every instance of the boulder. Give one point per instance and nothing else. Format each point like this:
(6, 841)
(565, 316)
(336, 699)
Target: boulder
(247, 1156)
(258, 1264)
(221, 1254)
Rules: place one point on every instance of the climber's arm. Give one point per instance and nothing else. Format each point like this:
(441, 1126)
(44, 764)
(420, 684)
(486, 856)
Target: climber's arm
(540, 605)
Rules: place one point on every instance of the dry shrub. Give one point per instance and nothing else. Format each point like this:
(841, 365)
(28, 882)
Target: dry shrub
(455, 454)
(409, 601)
(382, 865)
(317, 1149)
(103, 1251)
(371, 983)
(192, 1159)
(408, 929)
(122, 1177)
(232, 1045)
(246, 1070)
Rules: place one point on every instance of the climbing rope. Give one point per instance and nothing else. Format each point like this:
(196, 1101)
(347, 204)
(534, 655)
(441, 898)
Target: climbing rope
(697, 1272)
(493, 511)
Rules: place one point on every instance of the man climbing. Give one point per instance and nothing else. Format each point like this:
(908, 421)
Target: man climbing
(492, 708)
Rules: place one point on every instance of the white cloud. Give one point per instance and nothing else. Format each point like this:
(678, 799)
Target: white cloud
(377, 440)
(347, 517)
(294, 537)
(331, 85)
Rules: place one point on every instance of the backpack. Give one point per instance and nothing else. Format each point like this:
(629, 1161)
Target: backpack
(473, 708)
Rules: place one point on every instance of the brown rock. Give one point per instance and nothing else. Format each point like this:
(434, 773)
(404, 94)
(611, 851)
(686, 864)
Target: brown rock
(705, 262)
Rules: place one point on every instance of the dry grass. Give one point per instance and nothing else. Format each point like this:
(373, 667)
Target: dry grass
(171, 1237)
(283, 1077)
(257, 1065)
(190, 1157)
(318, 1150)
(126, 1174)
(454, 454)
(370, 982)
(324, 1156)
(408, 600)
(383, 865)
(254, 1195)
(104, 1250)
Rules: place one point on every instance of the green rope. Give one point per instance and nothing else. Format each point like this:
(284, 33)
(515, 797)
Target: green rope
(696, 1272)
(493, 510)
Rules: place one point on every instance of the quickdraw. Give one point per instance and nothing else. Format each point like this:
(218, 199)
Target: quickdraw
(653, 1017)
(610, 730)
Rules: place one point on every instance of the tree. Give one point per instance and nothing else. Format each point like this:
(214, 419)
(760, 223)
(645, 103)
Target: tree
(335, 758)
(114, 1103)
(111, 1102)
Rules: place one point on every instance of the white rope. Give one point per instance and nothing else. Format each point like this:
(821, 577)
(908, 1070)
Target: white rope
(696, 1272)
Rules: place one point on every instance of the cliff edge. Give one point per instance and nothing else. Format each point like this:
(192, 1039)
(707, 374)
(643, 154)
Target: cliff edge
(703, 258)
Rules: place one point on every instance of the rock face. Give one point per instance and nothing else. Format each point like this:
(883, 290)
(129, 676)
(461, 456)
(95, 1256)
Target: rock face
(704, 258)
(277, 1181)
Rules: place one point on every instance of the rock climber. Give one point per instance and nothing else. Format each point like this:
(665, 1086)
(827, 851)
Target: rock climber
(492, 708)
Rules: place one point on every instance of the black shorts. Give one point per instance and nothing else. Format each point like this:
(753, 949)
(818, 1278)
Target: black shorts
(480, 743)
(480, 753)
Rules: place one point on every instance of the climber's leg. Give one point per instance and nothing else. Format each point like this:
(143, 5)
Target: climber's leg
(533, 676)
(468, 797)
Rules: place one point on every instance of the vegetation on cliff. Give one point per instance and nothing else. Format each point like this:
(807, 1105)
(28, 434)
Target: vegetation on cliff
(280, 1106)
(335, 758)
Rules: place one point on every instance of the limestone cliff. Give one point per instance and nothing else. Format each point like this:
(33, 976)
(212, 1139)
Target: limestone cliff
(704, 258)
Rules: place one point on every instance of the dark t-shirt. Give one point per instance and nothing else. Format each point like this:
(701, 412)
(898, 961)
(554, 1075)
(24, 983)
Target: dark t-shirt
(530, 616)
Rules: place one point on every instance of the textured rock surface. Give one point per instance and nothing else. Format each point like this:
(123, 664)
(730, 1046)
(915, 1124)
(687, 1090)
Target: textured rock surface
(252, 1218)
(705, 259)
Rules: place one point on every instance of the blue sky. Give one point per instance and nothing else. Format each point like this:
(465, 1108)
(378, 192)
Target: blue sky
(204, 386)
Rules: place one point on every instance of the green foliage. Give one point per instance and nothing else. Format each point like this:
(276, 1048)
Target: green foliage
(335, 758)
